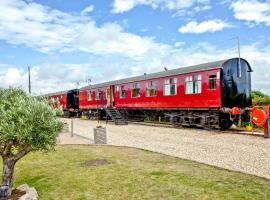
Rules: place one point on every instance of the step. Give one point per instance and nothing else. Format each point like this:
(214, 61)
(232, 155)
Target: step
(116, 116)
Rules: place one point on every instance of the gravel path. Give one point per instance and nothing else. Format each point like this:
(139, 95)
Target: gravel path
(65, 138)
(243, 153)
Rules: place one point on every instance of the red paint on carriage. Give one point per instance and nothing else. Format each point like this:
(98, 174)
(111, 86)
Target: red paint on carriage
(92, 102)
(61, 97)
(206, 97)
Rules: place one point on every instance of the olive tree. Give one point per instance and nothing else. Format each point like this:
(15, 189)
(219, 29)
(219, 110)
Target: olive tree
(26, 124)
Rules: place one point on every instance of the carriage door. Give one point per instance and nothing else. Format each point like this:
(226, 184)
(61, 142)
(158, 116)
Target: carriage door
(108, 96)
(112, 95)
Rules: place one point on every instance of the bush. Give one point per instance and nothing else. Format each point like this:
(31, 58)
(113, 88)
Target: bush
(59, 112)
(259, 98)
(26, 124)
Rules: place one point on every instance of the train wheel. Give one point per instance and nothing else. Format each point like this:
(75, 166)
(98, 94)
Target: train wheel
(225, 124)
(67, 114)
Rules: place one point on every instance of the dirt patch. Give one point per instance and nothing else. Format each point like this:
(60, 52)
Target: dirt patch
(95, 163)
(16, 194)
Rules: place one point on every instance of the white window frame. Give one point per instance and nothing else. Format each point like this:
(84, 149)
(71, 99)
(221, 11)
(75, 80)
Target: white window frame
(168, 83)
(189, 85)
(214, 79)
(106, 93)
(136, 86)
(122, 88)
(197, 84)
(89, 94)
(193, 84)
(98, 94)
(151, 85)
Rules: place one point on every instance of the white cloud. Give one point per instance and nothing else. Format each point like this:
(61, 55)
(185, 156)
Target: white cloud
(48, 30)
(117, 52)
(252, 11)
(110, 38)
(187, 13)
(45, 78)
(120, 6)
(88, 9)
(56, 77)
(179, 44)
(11, 77)
(205, 26)
(202, 8)
(37, 26)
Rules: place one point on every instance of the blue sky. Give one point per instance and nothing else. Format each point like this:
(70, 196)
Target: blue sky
(70, 41)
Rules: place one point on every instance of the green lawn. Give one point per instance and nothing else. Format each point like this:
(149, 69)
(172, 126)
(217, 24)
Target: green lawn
(131, 174)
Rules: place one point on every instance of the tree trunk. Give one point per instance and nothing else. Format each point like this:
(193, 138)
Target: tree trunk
(8, 170)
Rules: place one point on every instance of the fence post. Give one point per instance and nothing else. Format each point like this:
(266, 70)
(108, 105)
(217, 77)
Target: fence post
(72, 128)
(100, 135)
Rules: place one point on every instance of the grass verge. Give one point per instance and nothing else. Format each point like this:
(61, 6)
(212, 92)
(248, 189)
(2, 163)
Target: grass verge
(131, 174)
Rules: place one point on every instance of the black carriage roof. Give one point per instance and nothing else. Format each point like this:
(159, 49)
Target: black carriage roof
(182, 70)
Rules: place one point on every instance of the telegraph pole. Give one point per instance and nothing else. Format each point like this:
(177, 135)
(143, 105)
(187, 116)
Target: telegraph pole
(29, 80)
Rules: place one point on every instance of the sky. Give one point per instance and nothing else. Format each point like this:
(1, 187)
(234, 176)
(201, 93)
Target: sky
(69, 42)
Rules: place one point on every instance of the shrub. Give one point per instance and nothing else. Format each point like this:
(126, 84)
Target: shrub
(26, 124)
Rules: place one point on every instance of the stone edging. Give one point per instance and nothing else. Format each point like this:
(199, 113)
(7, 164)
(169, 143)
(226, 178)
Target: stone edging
(31, 193)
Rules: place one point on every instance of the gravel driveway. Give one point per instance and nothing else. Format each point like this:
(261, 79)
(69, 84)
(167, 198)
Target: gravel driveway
(236, 152)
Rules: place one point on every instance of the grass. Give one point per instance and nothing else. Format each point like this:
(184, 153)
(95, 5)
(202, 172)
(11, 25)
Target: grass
(131, 174)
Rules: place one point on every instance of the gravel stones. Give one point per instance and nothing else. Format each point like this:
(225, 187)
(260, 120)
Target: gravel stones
(244, 153)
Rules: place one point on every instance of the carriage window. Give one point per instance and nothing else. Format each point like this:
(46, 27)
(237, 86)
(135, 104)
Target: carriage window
(107, 94)
(189, 85)
(197, 84)
(122, 92)
(194, 86)
(89, 95)
(170, 86)
(135, 92)
(151, 88)
(98, 94)
(212, 82)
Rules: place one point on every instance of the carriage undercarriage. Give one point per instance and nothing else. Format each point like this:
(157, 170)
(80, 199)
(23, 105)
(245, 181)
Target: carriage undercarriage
(200, 118)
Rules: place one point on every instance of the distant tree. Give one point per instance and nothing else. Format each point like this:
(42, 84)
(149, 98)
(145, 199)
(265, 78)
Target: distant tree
(26, 124)
(259, 98)
(256, 93)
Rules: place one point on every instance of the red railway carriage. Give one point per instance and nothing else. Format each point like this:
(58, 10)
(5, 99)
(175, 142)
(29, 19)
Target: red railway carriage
(60, 97)
(69, 100)
(168, 89)
(172, 91)
(197, 95)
